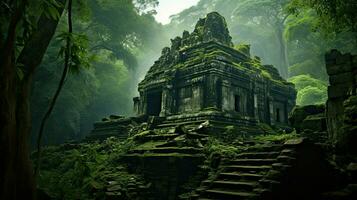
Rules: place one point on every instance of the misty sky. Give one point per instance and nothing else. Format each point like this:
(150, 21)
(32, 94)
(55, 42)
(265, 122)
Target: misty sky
(167, 8)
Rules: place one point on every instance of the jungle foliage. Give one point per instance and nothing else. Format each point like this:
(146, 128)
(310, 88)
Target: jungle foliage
(113, 51)
(86, 170)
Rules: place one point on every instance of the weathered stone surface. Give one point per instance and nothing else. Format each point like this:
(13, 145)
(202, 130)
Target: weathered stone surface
(201, 77)
(341, 104)
(294, 142)
(341, 78)
(337, 63)
(215, 29)
(301, 113)
(347, 124)
(338, 91)
(315, 122)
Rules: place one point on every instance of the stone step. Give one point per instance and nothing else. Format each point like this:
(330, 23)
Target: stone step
(252, 161)
(223, 194)
(286, 159)
(265, 148)
(281, 166)
(288, 152)
(239, 176)
(235, 185)
(184, 150)
(158, 137)
(167, 123)
(259, 155)
(129, 157)
(246, 168)
(268, 183)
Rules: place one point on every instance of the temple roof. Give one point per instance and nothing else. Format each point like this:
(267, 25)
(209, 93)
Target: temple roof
(210, 40)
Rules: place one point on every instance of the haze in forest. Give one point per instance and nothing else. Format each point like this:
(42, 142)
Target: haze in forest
(124, 40)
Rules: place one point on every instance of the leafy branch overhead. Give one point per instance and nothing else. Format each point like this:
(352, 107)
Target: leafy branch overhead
(79, 53)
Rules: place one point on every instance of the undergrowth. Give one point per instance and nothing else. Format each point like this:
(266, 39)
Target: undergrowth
(86, 171)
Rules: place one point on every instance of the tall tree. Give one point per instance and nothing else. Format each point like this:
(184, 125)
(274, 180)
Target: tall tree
(16, 73)
(271, 14)
(119, 46)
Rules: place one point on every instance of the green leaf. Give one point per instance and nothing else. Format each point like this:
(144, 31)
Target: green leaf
(20, 73)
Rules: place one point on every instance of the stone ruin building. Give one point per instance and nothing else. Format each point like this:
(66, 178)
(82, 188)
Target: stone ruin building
(203, 77)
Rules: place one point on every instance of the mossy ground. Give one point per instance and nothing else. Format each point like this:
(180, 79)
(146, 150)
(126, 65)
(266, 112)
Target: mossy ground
(87, 171)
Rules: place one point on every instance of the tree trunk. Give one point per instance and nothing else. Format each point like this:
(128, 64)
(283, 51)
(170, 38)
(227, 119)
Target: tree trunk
(16, 177)
(284, 63)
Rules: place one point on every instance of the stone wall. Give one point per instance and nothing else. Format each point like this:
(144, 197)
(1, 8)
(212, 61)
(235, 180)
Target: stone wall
(201, 71)
(342, 71)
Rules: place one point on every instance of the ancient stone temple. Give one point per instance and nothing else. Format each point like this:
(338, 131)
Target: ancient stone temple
(203, 77)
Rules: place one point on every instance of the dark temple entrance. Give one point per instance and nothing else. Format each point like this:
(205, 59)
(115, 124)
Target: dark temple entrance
(154, 103)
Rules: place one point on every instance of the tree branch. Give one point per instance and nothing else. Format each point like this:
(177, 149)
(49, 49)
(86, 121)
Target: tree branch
(59, 88)
(40, 39)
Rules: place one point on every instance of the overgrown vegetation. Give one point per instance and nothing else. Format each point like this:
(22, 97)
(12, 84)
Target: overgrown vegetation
(88, 171)
(311, 91)
(109, 85)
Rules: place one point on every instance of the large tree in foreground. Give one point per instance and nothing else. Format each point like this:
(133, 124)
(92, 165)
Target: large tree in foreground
(24, 39)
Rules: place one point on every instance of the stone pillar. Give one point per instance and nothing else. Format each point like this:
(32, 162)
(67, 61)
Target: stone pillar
(143, 103)
(271, 111)
(136, 101)
(254, 100)
(166, 100)
(255, 105)
(286, 114)
(212, 92)
(341, 69)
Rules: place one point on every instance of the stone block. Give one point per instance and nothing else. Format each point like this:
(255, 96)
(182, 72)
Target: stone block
(345, 78)
(331, 56)
(344, 59)
(295, 142)
(338, 68)
(334, 107)
(337, 91)
(314, 122)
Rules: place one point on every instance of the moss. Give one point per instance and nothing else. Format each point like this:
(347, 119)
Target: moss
(87, 171)
(217, 146)
(276, 137)
(243, 48)
(266, 128)
(210, 109)
(143, 134)
(150, 144)
(239, 66)
(173, 155)
(215, 53)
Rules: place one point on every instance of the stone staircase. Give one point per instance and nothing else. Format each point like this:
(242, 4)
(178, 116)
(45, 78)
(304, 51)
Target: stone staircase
(167, 159)
(242, 177)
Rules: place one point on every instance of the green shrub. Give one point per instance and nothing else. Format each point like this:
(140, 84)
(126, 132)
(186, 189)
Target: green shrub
(310, 90)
